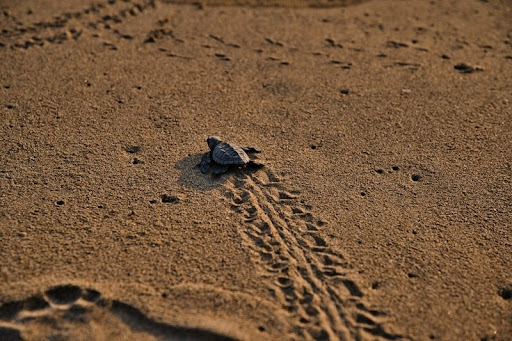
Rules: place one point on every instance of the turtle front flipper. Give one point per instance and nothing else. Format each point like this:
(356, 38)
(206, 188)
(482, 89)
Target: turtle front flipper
(251, 150)
(221, 170)
(206, 160)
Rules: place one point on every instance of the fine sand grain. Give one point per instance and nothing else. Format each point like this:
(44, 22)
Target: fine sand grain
(383, 211)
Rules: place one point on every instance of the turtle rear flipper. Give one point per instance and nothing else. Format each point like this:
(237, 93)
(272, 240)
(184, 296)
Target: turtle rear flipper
(251, 150)
(255, 165)
(204, 166)
(221, 170)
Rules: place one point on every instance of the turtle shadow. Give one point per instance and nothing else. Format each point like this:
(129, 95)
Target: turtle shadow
(192, 177)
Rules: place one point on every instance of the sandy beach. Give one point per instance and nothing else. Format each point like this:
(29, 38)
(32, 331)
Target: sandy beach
(383, 210)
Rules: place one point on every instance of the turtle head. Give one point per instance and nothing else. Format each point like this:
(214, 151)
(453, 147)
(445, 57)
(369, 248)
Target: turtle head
(213, 141)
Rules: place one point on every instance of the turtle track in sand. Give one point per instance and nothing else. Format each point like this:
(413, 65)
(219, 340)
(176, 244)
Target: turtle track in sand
(70, 312)
(95, 17)
(308, 278)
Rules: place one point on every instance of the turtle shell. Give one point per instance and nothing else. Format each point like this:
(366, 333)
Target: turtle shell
(228, 154)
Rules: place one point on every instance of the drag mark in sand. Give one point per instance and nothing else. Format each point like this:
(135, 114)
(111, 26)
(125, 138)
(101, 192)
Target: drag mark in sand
(69, 312)
(310, 280)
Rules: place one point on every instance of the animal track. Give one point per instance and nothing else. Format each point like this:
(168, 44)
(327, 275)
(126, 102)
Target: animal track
(71, 25)
(71, 312)
(310, 280)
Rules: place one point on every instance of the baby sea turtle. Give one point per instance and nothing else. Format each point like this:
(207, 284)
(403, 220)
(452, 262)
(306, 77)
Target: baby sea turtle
(225, 154)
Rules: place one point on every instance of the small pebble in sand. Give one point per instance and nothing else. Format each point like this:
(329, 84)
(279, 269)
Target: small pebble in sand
(169, 199)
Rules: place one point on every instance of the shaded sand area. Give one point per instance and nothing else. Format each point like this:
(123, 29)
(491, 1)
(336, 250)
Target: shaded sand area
(382, 213)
